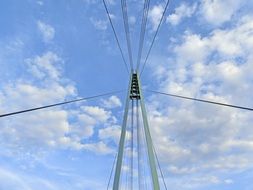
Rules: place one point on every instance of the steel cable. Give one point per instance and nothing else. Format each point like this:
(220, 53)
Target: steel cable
(159, 166)
(143, 31)
(126, 27)
(152, 43)
(115, 35)
(204, 101)
(58, 104)
(110, 177)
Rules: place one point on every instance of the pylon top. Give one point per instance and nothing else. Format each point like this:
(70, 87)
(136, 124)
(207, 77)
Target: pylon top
(135, 91)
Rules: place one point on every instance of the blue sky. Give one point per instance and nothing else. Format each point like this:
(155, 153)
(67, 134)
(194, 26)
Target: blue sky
(51, 51)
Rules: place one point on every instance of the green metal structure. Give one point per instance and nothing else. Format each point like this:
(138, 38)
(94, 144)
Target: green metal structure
(135, 94)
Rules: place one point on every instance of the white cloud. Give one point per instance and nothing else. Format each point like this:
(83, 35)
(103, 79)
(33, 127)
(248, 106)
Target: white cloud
(111, 132)
(186, 52)
(132, 20)
(87, 124)
(49, 128)
(99, 114)
(216, 66)
(99, 147)
(228, 43)
(155, 15)
(229, 181)
(181, 12)
(40, 3)
(217, 12)
(42, 128)
(90, 117)
(100, 24)
(46, 30)
(47, 65)
(112, 102)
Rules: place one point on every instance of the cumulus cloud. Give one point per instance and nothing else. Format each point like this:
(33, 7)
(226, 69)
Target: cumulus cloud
(47, 65)
(99, 114)
(90, 117)
(181, 12)
(47, 127)
(50, 128)
(216, 66)
(99, 147)
(112, 102)
(155, 15)
(46, 30)
(111, 132)
(217, 12)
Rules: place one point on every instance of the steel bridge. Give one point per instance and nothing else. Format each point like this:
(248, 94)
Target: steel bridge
(136, 151)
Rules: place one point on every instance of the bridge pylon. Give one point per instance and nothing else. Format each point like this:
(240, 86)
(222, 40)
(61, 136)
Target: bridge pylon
(135, 94)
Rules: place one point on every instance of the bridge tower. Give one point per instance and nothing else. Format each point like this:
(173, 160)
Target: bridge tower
(135, 95)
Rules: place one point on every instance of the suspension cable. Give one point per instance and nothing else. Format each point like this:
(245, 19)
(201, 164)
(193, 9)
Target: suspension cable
(126, 160)
(159, 166)
(138, 144)
(143, 30)
(132, 146)
(126, 26)
(145, 152)
(115, 35)
(152, 43)
(113, 166)
(58, 104)
(204, 101)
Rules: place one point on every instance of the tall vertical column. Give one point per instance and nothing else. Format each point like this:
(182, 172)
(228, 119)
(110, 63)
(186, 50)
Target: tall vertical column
(151, 157)
(117, 175)
(135, 93)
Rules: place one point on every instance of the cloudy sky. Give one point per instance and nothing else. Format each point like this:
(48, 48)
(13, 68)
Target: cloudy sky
(51, 51)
